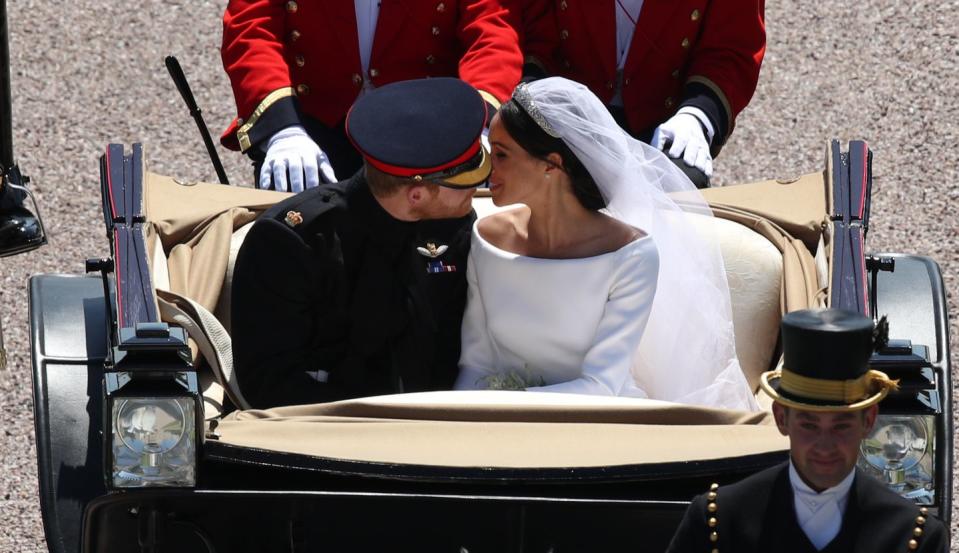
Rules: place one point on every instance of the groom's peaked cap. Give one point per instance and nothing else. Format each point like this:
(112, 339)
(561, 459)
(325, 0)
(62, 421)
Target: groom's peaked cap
(423, 129)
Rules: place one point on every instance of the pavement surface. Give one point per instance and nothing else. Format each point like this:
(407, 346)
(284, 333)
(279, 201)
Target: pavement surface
(90, 72)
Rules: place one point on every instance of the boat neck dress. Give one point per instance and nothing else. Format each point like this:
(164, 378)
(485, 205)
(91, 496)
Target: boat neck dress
(556, 325)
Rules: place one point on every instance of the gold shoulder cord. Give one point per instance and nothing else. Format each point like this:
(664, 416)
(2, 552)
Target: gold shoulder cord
(917, 531)
(711, 509)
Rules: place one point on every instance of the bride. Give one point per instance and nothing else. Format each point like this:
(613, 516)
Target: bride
(598, 283)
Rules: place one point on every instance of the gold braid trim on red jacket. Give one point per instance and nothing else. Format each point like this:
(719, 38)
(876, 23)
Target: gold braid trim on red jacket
(242, 134)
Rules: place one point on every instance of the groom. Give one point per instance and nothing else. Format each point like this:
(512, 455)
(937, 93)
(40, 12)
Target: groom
(358, 288)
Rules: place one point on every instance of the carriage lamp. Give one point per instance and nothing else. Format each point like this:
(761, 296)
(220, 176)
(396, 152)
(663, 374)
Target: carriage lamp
(900, 452)
(153, 440)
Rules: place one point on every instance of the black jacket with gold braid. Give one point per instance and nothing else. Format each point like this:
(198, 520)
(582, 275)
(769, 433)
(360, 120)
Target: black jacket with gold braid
(327, 280)
(758, 514)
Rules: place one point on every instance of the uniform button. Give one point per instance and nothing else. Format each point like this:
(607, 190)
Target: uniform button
(626, 82)
(609, 85)
(564, 34)
(291, 6)
(431, 59)
(300, 61)
(675, 74)
(357, 79)
(239, 121)
(562, 5)
(566, 64)
(686, 43)
(302, 89)
(436, 31)
(441, 7)
(695, 15)
(374, 73)
(294, 35)
(668, 103)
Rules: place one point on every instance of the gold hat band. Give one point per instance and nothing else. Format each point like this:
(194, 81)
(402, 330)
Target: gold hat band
(843, 391)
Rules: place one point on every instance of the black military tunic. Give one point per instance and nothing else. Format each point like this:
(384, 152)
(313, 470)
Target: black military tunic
(328, 280)
(758, 514)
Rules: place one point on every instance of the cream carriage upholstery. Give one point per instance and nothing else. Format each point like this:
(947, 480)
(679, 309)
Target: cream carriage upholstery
(754, 270)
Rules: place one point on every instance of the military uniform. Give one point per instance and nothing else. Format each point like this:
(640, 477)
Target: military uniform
(333, 295)
(276, 51)
(327, 280)
(699, 53)
(757, 514)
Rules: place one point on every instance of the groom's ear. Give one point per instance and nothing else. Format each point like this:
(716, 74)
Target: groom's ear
(420, 193)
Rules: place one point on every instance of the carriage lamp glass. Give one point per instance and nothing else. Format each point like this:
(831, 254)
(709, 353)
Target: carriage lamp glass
(900, 452)
(154, 442)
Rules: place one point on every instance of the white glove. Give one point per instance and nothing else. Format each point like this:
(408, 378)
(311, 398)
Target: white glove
(292, 151)
(688, 140)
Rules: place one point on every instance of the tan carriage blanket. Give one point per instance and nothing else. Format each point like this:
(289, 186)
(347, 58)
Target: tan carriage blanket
(504, 430)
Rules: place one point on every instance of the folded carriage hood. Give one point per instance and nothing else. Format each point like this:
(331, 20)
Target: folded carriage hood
(798, 205)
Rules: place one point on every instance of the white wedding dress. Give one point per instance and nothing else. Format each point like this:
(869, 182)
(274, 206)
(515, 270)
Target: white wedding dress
(652, 319)
(557, 325)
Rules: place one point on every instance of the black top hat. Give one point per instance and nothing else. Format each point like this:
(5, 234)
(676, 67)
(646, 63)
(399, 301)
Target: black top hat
(424, 129)
(826, 362)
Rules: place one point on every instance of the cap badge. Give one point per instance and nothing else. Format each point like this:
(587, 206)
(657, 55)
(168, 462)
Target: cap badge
(293, 218)
(432, 250)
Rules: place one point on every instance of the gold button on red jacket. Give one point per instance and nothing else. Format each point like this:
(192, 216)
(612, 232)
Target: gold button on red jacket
(716, 44)
(469, 39)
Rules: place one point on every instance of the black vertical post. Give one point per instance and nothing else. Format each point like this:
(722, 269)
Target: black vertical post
(6, 124)
(6, 101)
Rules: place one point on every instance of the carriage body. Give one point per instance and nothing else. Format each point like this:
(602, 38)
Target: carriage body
(441, 471)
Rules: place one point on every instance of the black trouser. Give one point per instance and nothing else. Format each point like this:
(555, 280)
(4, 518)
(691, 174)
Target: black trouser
(333, 141)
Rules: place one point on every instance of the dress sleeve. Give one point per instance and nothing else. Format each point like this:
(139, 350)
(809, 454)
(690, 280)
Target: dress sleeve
(608, 362)
(476, 357)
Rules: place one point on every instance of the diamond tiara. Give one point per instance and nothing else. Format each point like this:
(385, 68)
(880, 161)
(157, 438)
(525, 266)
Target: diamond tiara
(525, 100)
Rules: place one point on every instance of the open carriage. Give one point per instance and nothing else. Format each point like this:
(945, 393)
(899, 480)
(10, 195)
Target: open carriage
(144, 443)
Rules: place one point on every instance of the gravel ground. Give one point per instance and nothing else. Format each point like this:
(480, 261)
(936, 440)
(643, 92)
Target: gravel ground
(90, 72)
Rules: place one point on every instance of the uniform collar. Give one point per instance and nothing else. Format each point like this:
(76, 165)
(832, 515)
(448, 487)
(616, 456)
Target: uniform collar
(820, 515)
(372, 219)
(839, 491)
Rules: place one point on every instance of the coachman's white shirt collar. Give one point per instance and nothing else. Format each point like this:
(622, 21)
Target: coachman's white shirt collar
(820, 514)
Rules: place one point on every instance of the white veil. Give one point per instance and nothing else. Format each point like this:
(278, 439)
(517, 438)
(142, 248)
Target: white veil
(688, 351)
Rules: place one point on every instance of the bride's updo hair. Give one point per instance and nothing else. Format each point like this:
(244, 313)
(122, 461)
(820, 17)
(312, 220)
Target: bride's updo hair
(538, 144)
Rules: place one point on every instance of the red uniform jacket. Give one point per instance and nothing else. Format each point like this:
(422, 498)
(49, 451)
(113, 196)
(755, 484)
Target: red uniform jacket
(277, 49)
(683, 52)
